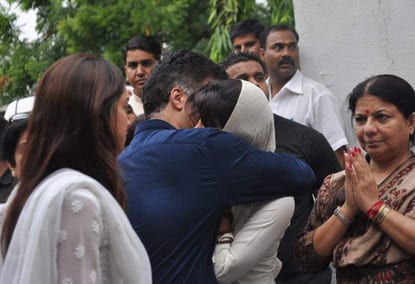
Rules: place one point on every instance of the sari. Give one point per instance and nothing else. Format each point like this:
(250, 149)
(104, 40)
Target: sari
(365, 254)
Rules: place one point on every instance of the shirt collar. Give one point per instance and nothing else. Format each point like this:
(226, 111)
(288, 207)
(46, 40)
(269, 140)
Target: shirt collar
(154, 123)
(294, 85)
(136, 98)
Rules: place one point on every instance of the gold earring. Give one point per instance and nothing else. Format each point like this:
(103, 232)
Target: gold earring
(13, 173)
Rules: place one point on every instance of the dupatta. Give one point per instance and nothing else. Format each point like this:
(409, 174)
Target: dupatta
(32, 253)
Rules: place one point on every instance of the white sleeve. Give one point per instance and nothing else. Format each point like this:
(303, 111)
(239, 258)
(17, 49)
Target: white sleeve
(328, 121)
(79, 239)
(264, 228)
(2, 214)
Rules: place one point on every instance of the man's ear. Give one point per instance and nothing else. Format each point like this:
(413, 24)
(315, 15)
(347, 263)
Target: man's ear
(177, 98)
(261, 53)
(411, 123)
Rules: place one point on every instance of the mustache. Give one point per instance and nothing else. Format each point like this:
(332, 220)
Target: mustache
(286, 60)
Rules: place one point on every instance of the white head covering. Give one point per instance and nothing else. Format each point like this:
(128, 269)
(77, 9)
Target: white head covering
(24, 105)
(253, 121)
(252, 118)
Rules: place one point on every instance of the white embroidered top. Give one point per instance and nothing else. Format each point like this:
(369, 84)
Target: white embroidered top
(71, 230)
(82, 241)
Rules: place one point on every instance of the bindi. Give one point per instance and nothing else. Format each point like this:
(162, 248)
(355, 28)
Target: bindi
(367, 112)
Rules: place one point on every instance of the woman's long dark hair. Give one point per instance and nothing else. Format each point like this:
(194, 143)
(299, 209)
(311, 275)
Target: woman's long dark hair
(71, 126)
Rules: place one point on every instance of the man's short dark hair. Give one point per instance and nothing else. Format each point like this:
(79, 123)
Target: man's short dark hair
(278, 27)
(233, 59)
(142, 42)
(246, 27)
(185, 69)
(10, 137)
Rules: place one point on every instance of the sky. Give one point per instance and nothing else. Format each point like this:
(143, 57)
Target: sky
(26, 21)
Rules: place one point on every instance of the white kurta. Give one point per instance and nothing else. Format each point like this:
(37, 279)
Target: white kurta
(258, 227)
(252, 256)
(72, 230)
(135, 102)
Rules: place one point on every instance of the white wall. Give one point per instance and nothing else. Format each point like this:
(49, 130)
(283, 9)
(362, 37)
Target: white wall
(343, 42)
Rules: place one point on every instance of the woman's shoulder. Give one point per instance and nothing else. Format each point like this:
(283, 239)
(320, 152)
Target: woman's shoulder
(79, 198)
(403, 177)
(68, 185)
(69, 180)
(68, 174)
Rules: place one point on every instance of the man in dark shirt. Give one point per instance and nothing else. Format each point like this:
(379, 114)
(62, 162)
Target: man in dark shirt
(303, 142)
(6, 178)
(179, 179)
(6, 183)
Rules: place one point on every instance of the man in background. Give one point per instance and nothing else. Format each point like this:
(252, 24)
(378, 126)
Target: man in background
(295, 96)
(140, 54)
(6, 178)
(303, 142)
(246, 35)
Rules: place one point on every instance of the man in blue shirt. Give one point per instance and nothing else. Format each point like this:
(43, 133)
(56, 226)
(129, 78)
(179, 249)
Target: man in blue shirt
(180, 179)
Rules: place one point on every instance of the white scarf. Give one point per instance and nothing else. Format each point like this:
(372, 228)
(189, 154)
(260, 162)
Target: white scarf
(32, 253)
(253, 121)
(252, 118)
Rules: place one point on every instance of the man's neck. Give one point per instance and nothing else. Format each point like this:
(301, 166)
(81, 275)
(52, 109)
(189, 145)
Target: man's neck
(278, 83)
(165, 117)
(138, 94)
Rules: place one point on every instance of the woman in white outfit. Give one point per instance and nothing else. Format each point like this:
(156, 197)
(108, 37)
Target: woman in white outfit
(247, 253)
(64, 222)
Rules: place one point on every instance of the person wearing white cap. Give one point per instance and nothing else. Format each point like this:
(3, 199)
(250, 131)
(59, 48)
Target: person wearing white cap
(248, 253)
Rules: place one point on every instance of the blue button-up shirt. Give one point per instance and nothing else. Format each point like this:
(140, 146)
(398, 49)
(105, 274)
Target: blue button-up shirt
(179, 182)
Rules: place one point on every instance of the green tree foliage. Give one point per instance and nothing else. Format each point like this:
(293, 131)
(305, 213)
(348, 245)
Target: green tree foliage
(22, 62)
(103, 26)
(225, 13)
(282, 11)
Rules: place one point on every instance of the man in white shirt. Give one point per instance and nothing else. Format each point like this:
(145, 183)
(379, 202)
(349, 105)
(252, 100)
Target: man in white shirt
(296, 97)
(140, 55)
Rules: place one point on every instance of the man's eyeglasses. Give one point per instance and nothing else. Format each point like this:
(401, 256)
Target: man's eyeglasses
(19, 116)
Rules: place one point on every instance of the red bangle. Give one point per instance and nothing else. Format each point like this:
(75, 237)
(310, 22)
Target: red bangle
(374, 209)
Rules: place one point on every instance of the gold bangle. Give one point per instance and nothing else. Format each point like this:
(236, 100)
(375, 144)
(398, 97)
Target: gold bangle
(381, 215)
(379, 212)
